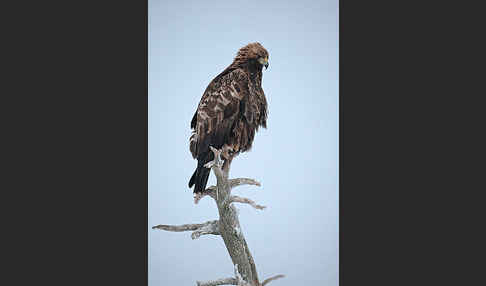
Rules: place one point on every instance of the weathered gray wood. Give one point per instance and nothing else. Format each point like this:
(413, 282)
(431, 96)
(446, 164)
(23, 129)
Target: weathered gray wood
(209, 227)
(236, 199)
(228, 225)
(224, 281)
(243, 181)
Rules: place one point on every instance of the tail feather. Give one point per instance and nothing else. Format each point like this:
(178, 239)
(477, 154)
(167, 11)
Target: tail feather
(202, 180)
(201, 175)
(192, 181)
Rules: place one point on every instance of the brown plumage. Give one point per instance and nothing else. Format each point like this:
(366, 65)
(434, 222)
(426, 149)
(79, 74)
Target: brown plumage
(231, 110)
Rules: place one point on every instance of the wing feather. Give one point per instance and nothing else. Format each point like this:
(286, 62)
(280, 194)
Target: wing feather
(217, 111)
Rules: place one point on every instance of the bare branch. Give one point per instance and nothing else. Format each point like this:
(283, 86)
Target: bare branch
(224, 281)
(178, 228)
(236, 199)
(211, 191)
(243, 181)
(272, 278)
(209, 227)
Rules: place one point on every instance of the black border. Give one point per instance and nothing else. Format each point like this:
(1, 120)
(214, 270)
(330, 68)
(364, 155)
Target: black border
(408, 131)
(78, 129)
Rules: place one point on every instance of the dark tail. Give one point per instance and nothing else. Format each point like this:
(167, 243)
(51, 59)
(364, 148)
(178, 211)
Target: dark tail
(200, 176)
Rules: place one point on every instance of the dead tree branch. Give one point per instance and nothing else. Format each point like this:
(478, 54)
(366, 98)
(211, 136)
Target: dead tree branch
(224, 281)
(228, 226)
(272, 278)
(210, 227)
(236, 199)
(243, 181)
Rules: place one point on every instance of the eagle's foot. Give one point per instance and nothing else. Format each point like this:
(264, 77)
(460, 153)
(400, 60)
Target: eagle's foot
(217, 159)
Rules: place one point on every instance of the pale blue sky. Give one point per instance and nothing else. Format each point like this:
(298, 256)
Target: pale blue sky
(295, 159)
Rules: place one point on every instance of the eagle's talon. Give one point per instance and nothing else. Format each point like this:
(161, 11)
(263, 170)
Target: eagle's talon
(217, 159)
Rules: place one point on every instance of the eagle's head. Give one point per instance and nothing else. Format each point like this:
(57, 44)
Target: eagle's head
(253, 53)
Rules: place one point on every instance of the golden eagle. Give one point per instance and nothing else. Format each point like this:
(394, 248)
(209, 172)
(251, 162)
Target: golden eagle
(231, 109)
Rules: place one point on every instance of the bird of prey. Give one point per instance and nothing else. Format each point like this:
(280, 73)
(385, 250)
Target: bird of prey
(231, 110)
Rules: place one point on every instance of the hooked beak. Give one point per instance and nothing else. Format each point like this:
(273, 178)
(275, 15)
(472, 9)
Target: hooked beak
(264, 62)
